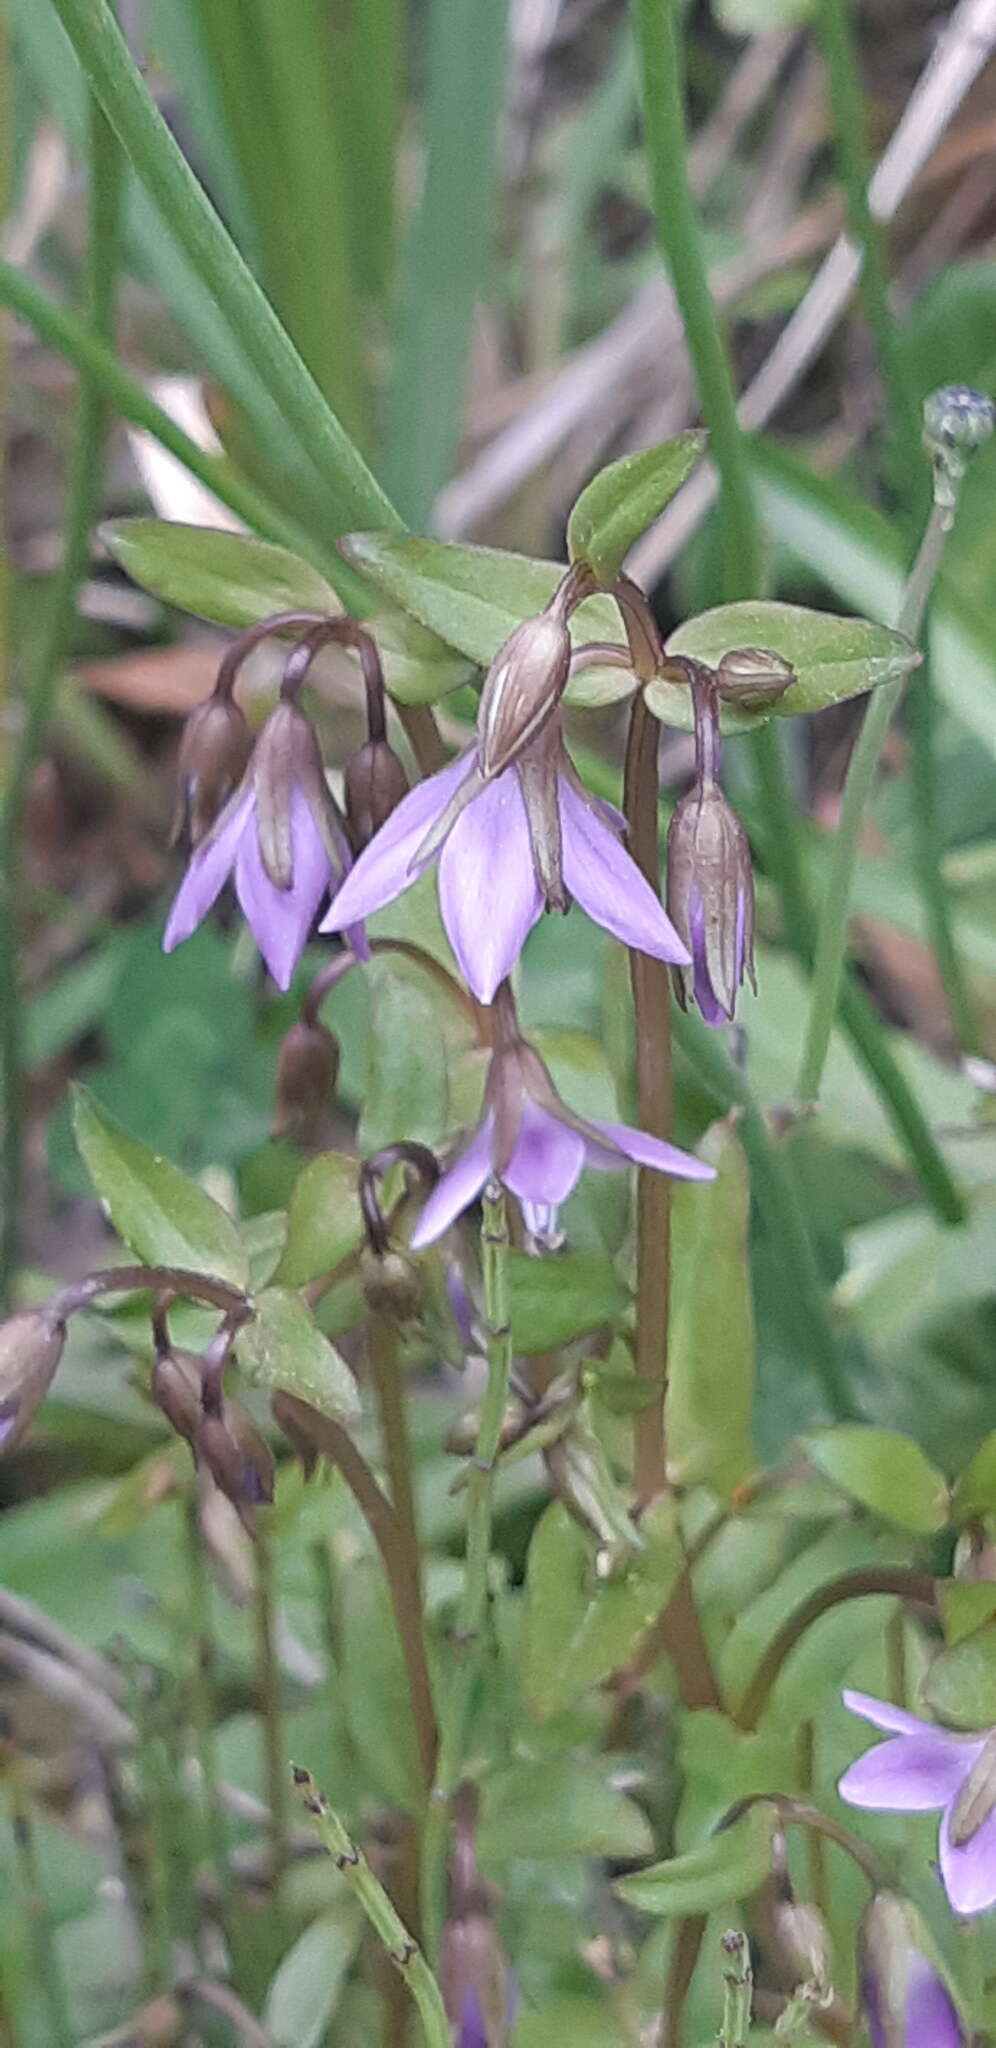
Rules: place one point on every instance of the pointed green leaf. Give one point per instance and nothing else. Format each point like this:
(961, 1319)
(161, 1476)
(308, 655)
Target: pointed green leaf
(563, 1296)
(580, 1629)
(304, 1992)
(728, 1867)
(407, 1092)
(833, 658)
(162, 1216)
(554, 1809)
(473, 598)
(283, 1349)
(886, 1472)
(711, 1350)
(323, 1219)
(233, 579)
(975, 1493)
(623, 499)
(960, 1683)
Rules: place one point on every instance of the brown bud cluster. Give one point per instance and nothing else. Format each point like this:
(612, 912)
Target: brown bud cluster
(223, 1439)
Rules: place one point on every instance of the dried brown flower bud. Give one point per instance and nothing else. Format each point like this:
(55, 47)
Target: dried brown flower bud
(710, 901)
(307, 1071)
(238, 1459)
(375, 784)
(176, 1389)
(522, 689)
(31, 1345)
(752, 676)
(214, 753)
(391, 1283)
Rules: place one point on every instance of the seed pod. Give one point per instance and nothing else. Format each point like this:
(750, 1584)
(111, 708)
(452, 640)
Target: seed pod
(307, 1071)
(31, 1345)
(750, 676)
(391, 1283)
(214, 753)
(522, 689)
(375, 783)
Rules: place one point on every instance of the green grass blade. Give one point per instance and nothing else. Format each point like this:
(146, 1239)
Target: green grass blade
(368, 44)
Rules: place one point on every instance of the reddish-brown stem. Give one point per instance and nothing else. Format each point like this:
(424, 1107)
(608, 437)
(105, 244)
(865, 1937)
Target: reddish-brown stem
(423, 736)
(169, 1280)
(652, 1006)
(264, 629)
(856, 1585)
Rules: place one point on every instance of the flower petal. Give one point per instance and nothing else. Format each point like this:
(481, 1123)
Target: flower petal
(383, 869)
(910, 1773)
(708, 1002)
(931, 2019)
(969, 1872)
(460, 1185)
(208, 871)
(607, 883)
(488, 892)
(644, 1151)
(547, 1158)
(282, 918)
(882, 1714)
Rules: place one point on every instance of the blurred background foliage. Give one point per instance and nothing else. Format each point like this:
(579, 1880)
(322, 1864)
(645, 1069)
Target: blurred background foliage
(448, 203)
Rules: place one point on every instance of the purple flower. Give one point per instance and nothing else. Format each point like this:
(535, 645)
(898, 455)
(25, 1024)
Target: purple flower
(281, 837)
(906, 2002)
(924, 1768)
(710, 882)
(536, 1146)
(529, 839)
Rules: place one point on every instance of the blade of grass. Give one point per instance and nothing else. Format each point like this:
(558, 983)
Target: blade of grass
(176, 31)
(447, 248)
(166, 175)
(368, 47)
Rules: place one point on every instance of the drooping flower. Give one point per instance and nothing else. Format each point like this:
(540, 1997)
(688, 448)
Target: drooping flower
(906, 2002)
(923, 1769)
(31, 1346)
(710, 884)
(281, 838)
(536, 1146)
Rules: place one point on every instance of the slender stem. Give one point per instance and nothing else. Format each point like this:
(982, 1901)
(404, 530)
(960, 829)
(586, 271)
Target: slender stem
(831, 936)
(857, 1585)
(424, 737)
(385, 1371)
(688, 1939)
(162, 168)
(99, 292)
(928, 857)
(49, 1979)
(269, 1702)
(798, 1813)
(403, 1949)
(142, 1279)
(652, 1007)
(202, 1700)
(152, 1831)
(455, 1716)
(656, 27)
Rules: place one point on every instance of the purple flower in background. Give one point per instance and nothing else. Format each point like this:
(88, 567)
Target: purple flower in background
(528, 840)
(907, 2003)
(924, 1768)
(281, 839)
(536, 1146)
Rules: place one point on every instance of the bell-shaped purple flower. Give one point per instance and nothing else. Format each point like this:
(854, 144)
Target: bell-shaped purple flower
(922, 1769)
(710, 883)
(906, 2001)
(281, 839)
(530, 839)
(530, 1141)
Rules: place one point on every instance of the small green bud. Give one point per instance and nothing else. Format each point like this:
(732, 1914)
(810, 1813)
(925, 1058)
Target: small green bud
(957, 422)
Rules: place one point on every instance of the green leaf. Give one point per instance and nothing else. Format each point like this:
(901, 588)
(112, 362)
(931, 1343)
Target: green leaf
(965, 1604)
(230, 578)
(375, 1689)
(975, 1492)
(833, 658)
(304, 1993)
(960, 1684)
(554, 1809)
(622, 500)
(284, 1348)
(323, 1220)
(560, 1297)
(407, 1092)
(712, 1343)
(474, 598)
(885, 1472)
(580, 1629)
(727, 1868)
(162, 1216)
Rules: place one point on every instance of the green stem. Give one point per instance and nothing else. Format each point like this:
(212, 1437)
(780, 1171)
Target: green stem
(656, 27)
(928, 856)
(48, 1973)
(99, 291)
(269, 1700)
(202, 1701)
(401, 1946)
(831, 935)
(455, 1716)
(162, 168)
(385, 1371)
(738, 1985)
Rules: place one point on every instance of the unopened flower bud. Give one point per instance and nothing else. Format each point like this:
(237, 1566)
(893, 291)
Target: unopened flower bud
(522, 689)
(176, 1389)
(957, 421)
(391, 1283)
(751, 676)
(214, 753)
(710, 901)
(238, 1459)
(803, 1938)
(906, 2002)
(375, 785)
(31, 1345)
(307, 1071)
